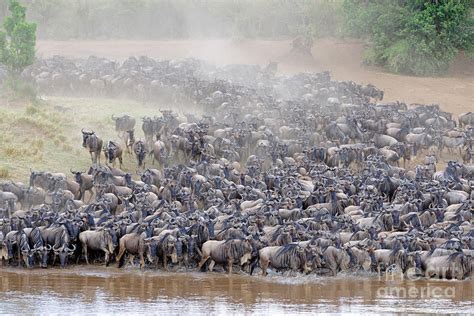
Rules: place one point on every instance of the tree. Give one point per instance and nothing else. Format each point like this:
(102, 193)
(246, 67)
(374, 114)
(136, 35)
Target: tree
(419, 37)
(17, 41)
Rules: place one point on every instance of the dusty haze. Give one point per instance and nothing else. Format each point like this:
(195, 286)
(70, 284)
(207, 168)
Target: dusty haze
(454, 92)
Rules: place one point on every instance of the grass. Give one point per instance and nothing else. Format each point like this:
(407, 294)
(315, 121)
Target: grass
(4, 173)
(47, 136)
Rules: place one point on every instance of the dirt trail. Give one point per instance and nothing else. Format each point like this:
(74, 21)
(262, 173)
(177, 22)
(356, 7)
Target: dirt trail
(454, 93)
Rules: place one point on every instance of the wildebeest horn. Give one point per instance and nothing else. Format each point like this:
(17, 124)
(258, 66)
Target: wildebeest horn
(73, 249)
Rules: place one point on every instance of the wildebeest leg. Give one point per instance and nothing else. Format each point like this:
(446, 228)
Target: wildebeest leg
(202, 262)
(211, 265)
(165, 262)
(120, 255)
(84, 249)
(264, 266)
(91, 194)
(142, 261)
(229, 265)
(199, 251)
(107, 254)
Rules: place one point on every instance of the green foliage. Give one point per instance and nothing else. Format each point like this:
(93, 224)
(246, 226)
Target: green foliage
(163, 19)
(413, 36)
(17, 41)
(20, 90)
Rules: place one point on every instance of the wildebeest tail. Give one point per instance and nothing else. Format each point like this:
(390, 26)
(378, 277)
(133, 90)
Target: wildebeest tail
(254, 262)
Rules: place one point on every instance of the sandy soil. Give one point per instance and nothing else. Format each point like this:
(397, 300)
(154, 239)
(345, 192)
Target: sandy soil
(454, 92)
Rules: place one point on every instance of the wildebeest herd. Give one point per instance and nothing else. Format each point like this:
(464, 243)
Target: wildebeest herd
(283, 172)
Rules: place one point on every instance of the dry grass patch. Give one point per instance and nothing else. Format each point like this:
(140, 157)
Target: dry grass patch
(4, 173)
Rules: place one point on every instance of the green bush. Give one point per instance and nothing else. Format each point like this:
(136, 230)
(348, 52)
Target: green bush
(17, 50)
(413, 36)
(18, 89)
(17, 41)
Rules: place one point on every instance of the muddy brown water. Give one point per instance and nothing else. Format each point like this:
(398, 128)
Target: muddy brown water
(99, 290)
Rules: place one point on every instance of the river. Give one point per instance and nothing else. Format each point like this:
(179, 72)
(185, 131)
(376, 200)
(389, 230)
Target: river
(100, 290)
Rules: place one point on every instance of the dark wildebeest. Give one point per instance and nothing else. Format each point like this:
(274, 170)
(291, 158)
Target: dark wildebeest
(38, 245)
(226, 251)
(85, 182)
(456, 265)
(290, 256)
(164, 246)
(93, 143)
(20, 239)
(58, 237)
(140, 148)
(123, 123)
(113, 151)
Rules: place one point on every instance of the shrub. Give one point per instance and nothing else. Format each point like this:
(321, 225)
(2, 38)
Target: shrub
(413, 36)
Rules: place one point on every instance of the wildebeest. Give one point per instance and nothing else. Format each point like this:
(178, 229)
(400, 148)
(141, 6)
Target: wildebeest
(140, 148)
(454, 266)
(133, 244)
(124, 123)
(226, 252)
(290, 256)
(113, 151)
(130, 140)
(103, 239)
(85, 182)
(93, 144)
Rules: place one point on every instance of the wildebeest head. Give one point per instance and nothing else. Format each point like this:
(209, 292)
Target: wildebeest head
(396, 218)
(63, 252)
(28, 257)
(73, 228)
(170, 245)
(33, 176)
(42, 252)
(151, 245)
(85, 137)
(140, 152)
(146, 176)
(246, 250)
(179, 245)
(314, 257)
(110, 239)
(190, 245)
(77, 176)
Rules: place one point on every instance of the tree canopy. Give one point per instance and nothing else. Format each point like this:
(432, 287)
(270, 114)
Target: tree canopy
(412, 36)
(17, 40)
